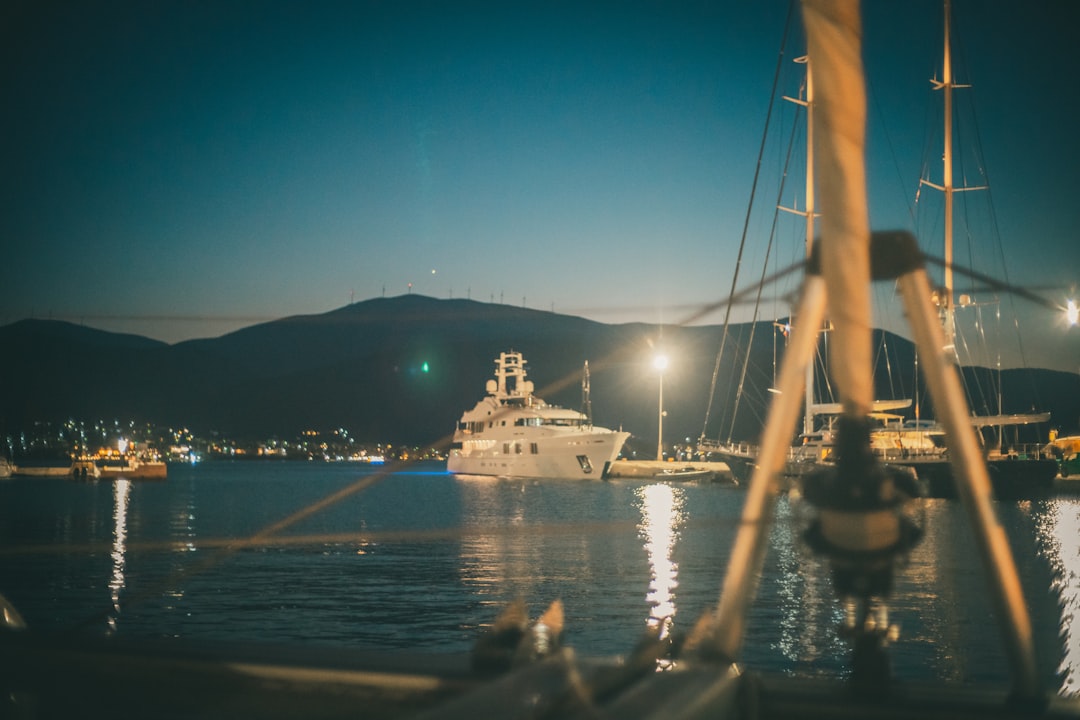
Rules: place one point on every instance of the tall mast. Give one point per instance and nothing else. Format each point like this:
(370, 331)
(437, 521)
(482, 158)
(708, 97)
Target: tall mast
(947, 186)
(808, 103)
(946, 301)
(586, 397)
(808, 417)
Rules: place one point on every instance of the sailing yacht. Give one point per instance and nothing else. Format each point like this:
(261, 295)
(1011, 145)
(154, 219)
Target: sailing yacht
(1016, 472)
(917, 445)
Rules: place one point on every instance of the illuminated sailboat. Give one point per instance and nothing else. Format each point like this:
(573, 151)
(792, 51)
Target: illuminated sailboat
(1016, 472)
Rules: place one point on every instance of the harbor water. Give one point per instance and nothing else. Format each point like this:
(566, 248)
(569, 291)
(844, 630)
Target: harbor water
(416, 559)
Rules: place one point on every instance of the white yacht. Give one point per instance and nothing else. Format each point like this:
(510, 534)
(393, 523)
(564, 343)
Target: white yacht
(513, 433)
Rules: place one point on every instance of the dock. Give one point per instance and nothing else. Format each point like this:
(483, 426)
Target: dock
(675, 470)
(42, 471)
(1069, 485)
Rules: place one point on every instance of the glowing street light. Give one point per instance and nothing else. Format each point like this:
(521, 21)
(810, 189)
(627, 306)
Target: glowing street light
(660, 362)
(1072, 314)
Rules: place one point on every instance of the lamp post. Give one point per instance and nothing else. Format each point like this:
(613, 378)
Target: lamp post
(660, 362)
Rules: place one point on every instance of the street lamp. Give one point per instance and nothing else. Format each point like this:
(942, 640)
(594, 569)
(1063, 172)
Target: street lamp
(660, 362)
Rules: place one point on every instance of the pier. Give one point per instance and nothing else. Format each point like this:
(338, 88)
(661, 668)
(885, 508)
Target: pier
(42, 471)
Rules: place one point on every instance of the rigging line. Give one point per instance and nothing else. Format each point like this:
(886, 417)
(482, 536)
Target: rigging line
(461, 532)
(750, 205)
(996, 233)
(741, 295)
(821, 355)
(883, 354)
(994, 383)
(78, 318)
(979, 393)
(764, 269)
(994, 284)
(892, 149)
(900, 380)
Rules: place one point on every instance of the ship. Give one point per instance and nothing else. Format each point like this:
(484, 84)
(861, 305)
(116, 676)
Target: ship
(511, 432)
(122, 463)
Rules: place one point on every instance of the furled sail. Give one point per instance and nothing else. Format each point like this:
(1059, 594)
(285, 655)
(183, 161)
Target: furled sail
(1015, 419)
(878, 406)
(834, 43)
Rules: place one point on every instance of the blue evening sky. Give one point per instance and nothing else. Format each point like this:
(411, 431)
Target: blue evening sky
(182, 169)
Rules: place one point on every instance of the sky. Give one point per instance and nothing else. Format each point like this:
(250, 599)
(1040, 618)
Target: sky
(184, 169)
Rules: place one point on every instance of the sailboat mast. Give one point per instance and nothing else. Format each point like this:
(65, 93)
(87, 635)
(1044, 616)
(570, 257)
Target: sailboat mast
(947, 187)
(808, 417)
(808, 103)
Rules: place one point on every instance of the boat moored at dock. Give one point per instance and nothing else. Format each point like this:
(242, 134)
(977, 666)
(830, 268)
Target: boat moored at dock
(112, 465)
(513, 433)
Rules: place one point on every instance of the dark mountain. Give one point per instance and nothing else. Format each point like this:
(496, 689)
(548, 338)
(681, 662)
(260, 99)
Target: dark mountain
(403, 369)
(53, 370)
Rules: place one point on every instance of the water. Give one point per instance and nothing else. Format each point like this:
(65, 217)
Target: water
(423, 560)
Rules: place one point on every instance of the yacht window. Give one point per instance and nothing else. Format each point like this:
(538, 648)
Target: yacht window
(534, 449)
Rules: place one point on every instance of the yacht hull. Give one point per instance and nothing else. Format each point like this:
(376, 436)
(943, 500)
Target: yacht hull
(1011, 479)
(582, 456)
(513, 433)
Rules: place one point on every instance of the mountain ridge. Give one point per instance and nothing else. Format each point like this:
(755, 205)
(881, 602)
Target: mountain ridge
(361, 367)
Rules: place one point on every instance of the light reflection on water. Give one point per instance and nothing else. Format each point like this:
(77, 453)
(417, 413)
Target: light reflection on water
(1059, 535)
(808, 611)
(121, 490)
(620, 555)
(661, 515)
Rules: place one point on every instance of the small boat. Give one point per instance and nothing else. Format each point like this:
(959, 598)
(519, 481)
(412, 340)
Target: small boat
(112, 465)
(1067, 452)
(686, 474)
(513, 433)
(6, 468)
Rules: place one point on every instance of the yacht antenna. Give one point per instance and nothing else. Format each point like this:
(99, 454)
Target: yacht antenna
(586, 399)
